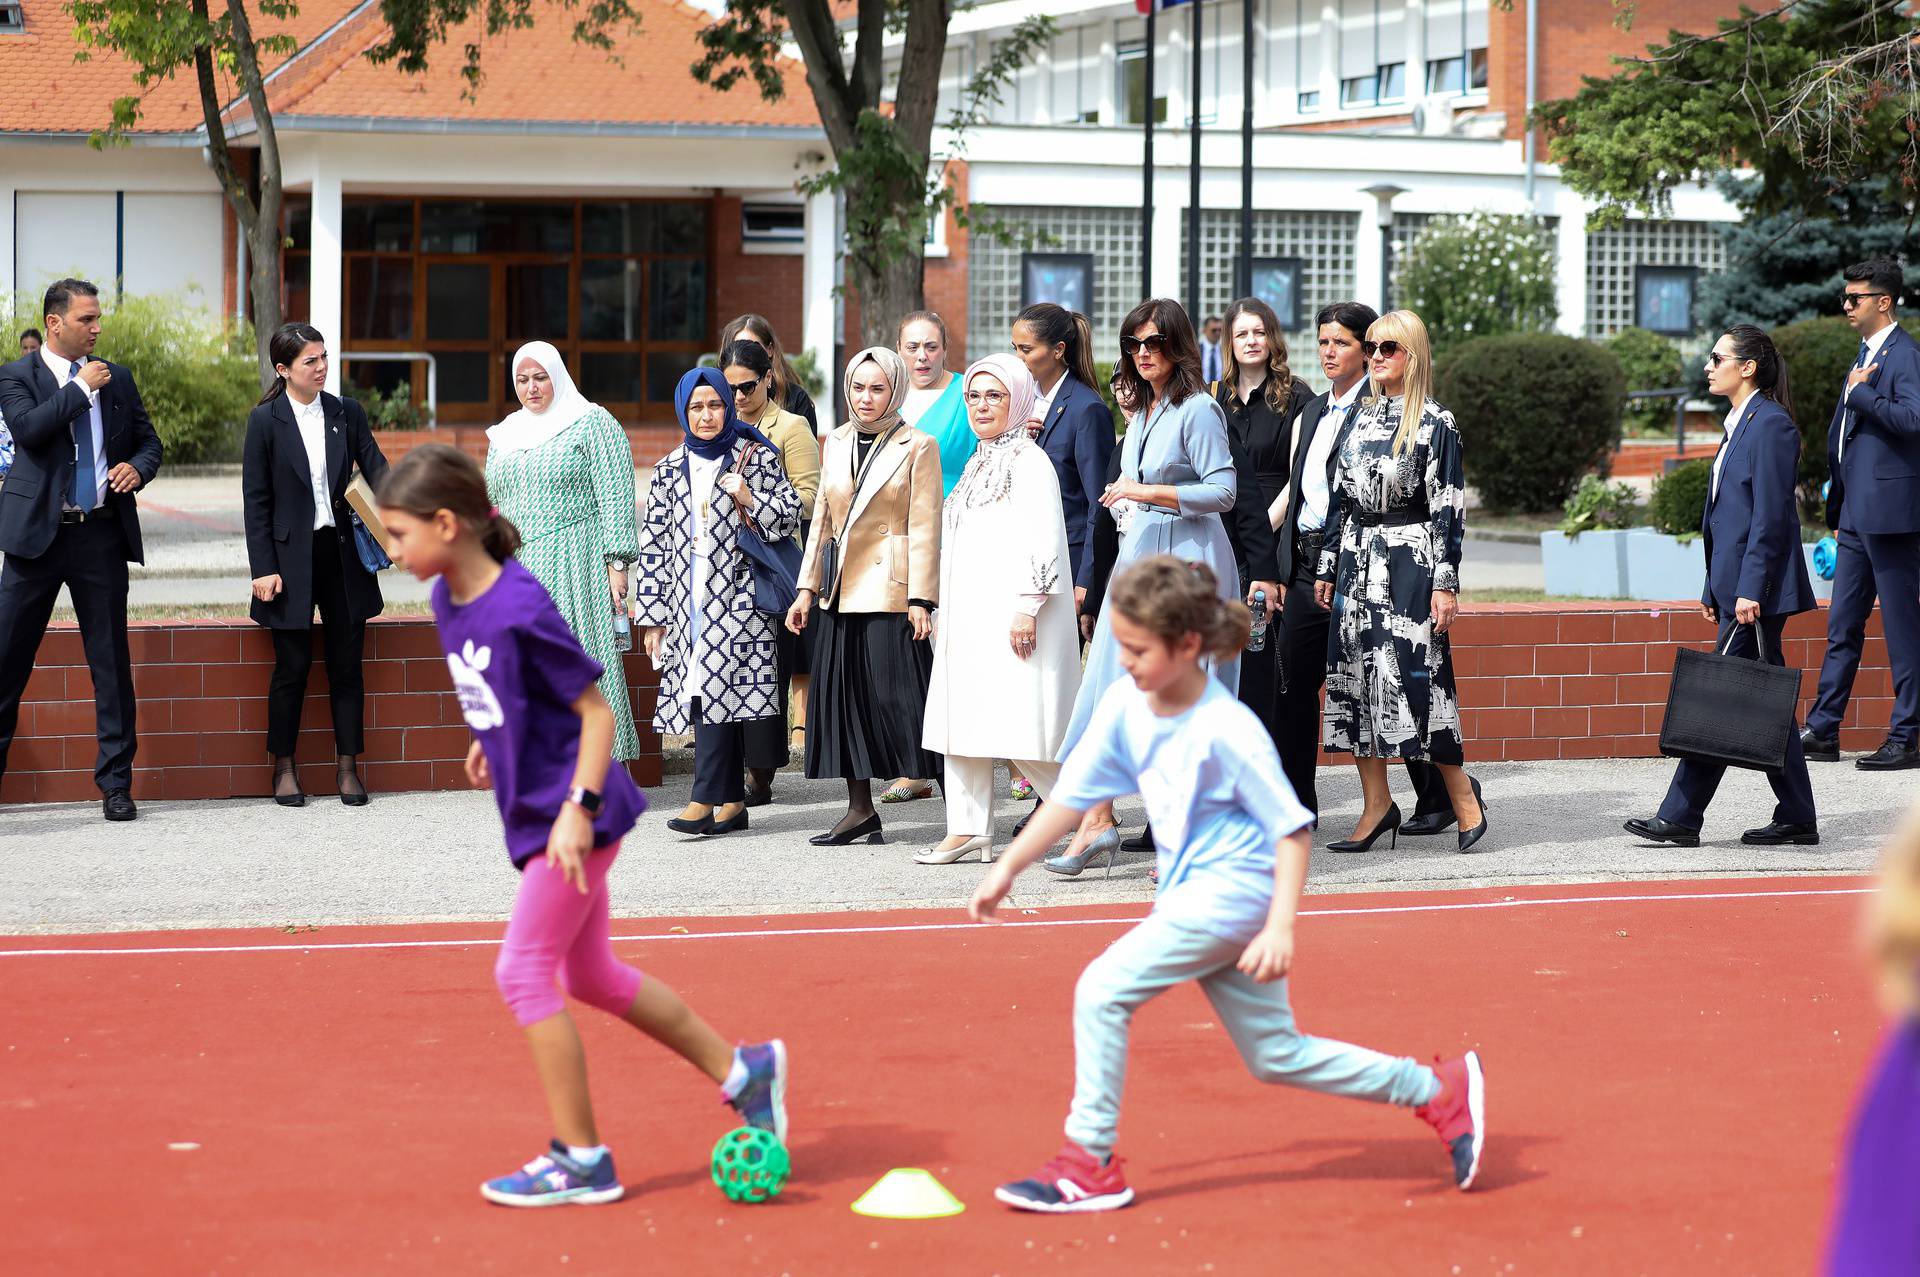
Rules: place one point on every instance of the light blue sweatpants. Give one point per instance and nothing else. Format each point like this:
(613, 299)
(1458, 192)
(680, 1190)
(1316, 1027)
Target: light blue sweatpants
(1157, 955)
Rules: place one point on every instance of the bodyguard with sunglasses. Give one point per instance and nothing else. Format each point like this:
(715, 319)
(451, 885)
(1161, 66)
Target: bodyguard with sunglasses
(1873, 505)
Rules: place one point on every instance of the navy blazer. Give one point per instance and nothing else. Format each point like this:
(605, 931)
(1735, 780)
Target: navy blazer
(1752, 525)
(1078, 438)
(1881, 467)
(40, 412)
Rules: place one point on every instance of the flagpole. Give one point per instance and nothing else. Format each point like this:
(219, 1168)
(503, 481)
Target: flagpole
(1194, 291)
(1243, 286)
(1146, 164)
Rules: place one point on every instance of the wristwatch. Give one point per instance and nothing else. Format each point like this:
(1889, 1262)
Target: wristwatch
(585, 799)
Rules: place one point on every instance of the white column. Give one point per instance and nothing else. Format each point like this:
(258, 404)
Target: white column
(328, 268)
(1330, 55)
(9, 285)
(1570, 268)
(816, 282)
(1367, 258)
(1415, 27)
(1169, 246)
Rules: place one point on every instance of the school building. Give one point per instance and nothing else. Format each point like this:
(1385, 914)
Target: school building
(624, 212)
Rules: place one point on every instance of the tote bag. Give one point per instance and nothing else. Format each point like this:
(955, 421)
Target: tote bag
(775, 564)
(1728, 709)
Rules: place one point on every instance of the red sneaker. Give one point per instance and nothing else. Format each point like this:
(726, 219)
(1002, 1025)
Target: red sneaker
(1072, 1181)
(1459, 1113)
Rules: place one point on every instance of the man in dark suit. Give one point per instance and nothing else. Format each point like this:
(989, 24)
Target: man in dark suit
(1342, 326)
(1756, 579)
(83, 447)
(1873, 505)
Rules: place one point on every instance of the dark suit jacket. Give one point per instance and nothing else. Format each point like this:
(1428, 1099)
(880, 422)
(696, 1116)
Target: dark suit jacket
(1259, 437)
(1882, 463)
(277, 506)
(40, 413)
(1078, 438)
(1752, 524)
(1310, 416)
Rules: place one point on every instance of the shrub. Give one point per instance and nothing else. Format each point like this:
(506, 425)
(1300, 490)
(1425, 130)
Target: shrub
(1650, 362)
(1597, 505)
(1679, 499)
(393, 409)
(1479, 275)
(1104, 373)
(806, 367)
(1536, 412)
(197, 381)
(1818, 355)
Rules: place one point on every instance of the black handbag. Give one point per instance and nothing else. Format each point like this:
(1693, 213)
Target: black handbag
(1730, 710)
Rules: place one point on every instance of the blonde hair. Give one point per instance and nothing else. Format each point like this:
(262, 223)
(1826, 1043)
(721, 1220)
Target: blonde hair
(1893, 919)
(1173, 598)
(1410, 331)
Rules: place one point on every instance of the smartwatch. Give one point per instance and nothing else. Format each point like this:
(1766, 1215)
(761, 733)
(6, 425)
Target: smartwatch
(585, 799)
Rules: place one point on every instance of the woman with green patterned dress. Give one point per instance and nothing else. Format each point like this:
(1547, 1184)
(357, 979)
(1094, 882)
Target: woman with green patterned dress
(560, 469)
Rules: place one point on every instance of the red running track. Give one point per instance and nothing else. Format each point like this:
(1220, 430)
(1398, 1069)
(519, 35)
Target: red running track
(1668, 1080)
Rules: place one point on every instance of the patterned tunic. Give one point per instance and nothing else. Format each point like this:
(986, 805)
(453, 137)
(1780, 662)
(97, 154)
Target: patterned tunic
(1394, 530)
(572, 498)
(729, 662)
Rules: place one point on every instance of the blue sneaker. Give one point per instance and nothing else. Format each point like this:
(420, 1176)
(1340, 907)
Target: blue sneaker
(762, 1101)
(555, 1179)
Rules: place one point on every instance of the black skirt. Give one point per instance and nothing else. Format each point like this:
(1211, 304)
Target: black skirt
(868, 702)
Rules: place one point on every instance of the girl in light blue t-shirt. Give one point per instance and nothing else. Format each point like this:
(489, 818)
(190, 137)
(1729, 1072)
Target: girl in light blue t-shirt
(1232, 841)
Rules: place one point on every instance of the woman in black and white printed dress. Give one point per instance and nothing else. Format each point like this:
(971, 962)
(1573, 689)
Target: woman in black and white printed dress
(1391, 572)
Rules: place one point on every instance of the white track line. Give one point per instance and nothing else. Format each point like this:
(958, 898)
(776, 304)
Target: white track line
(932, 926)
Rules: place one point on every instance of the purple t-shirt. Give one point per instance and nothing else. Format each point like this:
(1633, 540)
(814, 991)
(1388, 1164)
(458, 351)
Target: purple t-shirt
(518, 670)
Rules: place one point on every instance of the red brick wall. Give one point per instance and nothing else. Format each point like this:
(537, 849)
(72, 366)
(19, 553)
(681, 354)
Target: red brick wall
(202, 690)
(767, 285)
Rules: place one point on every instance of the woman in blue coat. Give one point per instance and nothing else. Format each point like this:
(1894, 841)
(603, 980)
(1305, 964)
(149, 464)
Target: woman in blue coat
(1756, 575)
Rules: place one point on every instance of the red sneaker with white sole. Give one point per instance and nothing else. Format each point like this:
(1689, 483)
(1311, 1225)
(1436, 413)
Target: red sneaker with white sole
(1073, 1181)
(1459, 1113)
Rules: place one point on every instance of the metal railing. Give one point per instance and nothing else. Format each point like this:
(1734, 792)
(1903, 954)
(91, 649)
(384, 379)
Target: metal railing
(1679, 395)
(405, 357)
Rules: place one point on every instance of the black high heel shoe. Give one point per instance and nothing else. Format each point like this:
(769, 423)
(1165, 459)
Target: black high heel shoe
(1389, 824)
(1468, 837)
(867, 831)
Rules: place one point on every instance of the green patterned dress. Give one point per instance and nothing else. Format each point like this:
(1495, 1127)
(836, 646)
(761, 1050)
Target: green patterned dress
(572, 497)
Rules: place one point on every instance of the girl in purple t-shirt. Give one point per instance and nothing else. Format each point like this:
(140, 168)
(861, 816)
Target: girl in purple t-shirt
(543, 740)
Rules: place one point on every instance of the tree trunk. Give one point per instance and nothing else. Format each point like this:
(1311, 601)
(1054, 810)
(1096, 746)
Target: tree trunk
(896, 289)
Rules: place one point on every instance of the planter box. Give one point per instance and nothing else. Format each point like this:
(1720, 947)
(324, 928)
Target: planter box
(1592, 565)
(1664, 567)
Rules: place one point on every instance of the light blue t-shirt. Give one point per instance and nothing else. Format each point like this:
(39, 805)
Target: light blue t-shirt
(1215, 794)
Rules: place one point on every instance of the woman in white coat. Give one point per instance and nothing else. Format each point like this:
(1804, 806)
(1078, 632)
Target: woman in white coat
(1006, 618)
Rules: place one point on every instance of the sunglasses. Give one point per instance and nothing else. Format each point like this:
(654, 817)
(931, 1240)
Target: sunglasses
(1384, 349)
(1849, 300)
(1156, 345)
(743, 389)
(1715, 359)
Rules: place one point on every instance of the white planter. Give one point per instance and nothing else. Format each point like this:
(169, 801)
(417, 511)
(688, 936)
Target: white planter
(1822, 590)
(1592, 565)
(1664, 567)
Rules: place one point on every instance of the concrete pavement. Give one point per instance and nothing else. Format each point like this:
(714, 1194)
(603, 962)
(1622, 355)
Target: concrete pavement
(412, 857)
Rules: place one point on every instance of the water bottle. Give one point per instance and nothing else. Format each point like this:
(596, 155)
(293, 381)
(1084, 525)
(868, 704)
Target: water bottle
(1257, 637)
(622, 632)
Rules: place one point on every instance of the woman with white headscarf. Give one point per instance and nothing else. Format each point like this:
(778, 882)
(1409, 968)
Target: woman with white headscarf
(1006, 618)
(560, 469)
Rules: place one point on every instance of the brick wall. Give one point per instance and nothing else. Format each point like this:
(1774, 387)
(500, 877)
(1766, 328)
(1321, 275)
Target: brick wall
(202, 691)
(763, 284)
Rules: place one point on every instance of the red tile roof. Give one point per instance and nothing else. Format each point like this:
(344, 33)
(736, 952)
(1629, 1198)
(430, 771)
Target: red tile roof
(538, 75)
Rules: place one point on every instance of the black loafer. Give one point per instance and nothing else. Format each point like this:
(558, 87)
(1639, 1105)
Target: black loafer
(1436, 822)
(117, 804)
(1658, 830)
(736, 821)
(1889, 758)
(1822, 749)
(1779, 835)
(1142, 841)
(1020, 825)
(681, 825)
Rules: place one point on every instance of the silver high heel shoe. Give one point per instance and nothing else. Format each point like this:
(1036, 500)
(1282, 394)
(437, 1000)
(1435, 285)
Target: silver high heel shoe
(981, 843)
(1102, 848)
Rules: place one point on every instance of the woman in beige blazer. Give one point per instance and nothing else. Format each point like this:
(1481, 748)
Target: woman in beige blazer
(869, 583)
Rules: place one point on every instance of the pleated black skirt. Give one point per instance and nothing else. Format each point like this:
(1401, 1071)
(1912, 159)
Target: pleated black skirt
(868, 702)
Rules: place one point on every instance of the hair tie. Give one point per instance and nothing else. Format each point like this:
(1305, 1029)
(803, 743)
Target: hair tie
(493, 512)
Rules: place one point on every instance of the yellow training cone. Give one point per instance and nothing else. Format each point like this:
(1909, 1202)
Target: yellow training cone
(908, 1194)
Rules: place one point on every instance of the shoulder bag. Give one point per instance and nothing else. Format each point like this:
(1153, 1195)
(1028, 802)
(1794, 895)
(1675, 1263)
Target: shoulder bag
(775, 564)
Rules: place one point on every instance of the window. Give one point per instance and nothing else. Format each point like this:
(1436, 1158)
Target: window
(12, 19)
(1276, 281)
(1476, 69)
(772, 226)
(1393, 82)
(1065, 279)
(1447, 75)
(1131, 100)
(1663, 298)
(1360, 90)
(1308, 103)
(1075, 89)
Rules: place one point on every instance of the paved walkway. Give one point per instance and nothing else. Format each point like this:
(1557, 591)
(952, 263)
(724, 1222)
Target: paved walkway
(438, 856)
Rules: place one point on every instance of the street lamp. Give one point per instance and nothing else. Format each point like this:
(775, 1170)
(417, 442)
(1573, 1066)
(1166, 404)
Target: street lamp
(1384, 193)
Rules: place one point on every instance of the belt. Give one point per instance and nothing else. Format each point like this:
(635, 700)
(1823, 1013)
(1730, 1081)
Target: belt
(1307, 543)
(88, 516)
(1389, 518)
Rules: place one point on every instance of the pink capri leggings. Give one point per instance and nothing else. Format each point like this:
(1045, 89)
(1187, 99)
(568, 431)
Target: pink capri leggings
(557, 931)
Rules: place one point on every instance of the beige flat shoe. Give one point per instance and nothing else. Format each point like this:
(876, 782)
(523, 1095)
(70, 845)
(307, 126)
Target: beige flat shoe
(935, 856)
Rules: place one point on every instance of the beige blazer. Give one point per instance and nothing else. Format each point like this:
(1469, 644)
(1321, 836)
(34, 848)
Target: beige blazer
(799, 452)
(890, 537)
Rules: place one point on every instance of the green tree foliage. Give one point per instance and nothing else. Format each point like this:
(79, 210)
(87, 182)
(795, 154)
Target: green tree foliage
(1815, 96)
(1649, 362)
(1479, 275)
(197, 382)
(1536, 411)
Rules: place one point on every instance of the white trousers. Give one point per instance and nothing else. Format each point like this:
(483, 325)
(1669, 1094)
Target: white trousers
(971, 791)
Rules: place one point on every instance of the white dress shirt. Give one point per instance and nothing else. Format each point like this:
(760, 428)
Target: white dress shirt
(311, 418)
(1874, 343)
(63, 369)
(1720, 459)
(1043, 406)
(1314, 493)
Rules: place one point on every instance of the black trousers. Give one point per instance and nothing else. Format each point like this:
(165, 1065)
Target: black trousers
(719, 757)
(1303, 627)
(293, 660)
(90, 559)
(766, 741)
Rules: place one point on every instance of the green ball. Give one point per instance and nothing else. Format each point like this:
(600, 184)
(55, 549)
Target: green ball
(749, 1165)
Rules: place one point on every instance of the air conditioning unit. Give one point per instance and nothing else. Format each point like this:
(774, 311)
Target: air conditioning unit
(1433, 116)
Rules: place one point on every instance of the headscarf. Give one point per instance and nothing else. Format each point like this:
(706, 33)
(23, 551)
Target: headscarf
(894, 369)
(1022, 390)
(732, 432)
(521, 429)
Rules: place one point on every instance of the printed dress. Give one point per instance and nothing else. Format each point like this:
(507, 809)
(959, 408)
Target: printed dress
(572, 498)
(1394, 530)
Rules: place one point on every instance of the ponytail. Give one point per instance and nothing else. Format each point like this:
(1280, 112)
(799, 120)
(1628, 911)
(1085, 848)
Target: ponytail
(278, 388)
(1769, 369)
(499, 537)
(1172, 598)
(435, 477)
(1055, 325)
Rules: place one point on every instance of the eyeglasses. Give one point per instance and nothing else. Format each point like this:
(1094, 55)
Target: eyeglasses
(743, 389)
(1384, 349)
(1849, 300)
(989, 398)
(1155, 344)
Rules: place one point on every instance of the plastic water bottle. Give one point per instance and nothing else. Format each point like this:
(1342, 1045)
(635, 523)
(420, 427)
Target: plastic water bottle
(1257, 637)
(622, 632)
